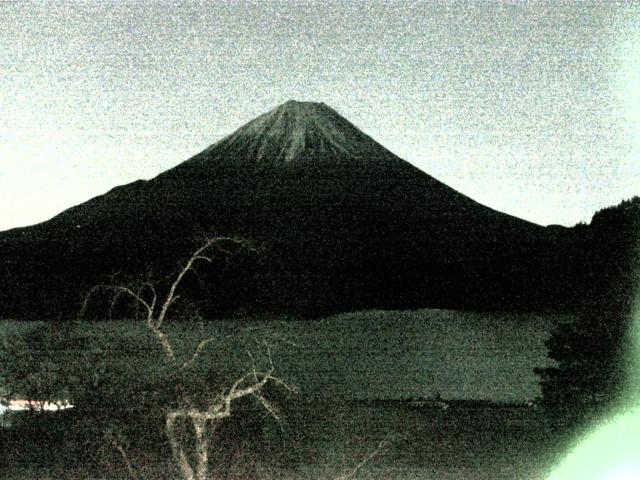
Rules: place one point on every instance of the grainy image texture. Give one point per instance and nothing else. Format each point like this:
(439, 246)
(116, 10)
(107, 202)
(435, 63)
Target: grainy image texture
(319, 240)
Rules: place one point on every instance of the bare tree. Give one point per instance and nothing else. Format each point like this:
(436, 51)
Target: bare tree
(192, 458)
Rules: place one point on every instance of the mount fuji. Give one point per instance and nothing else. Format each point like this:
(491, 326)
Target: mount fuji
(342, 224)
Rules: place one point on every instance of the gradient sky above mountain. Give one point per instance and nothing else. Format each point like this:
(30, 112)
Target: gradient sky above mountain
(530, 108)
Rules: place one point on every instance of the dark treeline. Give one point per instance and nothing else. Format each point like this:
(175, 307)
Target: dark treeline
(313, 271)
(593, 350)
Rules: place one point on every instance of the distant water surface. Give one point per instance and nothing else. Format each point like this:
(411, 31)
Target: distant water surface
(401, 354)
(378, 354)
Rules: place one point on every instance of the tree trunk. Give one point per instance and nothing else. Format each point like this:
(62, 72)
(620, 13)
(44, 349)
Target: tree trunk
(162, 339)
(202, 448)
(176, 449)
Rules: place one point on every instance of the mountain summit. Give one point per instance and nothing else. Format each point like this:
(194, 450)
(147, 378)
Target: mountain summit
(285, 133)
(297, 133)
(293, 125)
(343, 222)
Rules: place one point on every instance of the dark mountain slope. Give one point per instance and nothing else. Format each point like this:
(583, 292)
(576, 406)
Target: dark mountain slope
(344, 223)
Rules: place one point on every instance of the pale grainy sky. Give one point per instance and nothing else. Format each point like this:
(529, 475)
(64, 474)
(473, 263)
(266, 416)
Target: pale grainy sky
(532, 108)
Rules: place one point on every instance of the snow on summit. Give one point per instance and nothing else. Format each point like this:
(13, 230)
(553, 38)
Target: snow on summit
(293, 129)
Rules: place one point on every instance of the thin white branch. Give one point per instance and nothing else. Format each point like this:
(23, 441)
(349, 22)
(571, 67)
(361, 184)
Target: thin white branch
(125, 458)
(267, 406)
(364, 461)
(198, 350)
(286, 386)
(118, 290)
(154, 297)
(113, 303)
(202, 257)
(221, 407)
(283, 339)
(197, 255)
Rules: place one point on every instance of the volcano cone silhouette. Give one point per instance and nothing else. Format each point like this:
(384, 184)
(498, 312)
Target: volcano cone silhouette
(343, 224)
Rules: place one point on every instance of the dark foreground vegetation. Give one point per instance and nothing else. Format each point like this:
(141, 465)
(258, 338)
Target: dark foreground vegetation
(117, 378)
(595, 350)
(318, 438)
